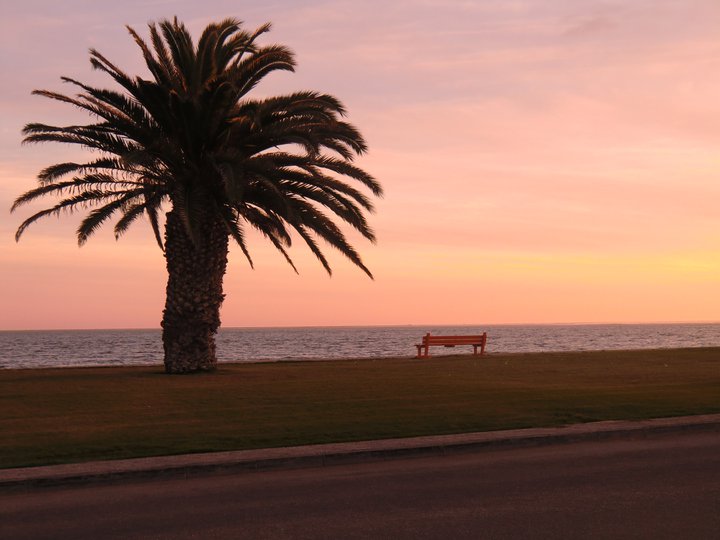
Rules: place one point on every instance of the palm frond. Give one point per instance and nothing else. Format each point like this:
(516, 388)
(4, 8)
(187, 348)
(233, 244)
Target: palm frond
(302, 231)
(249, 72)
(95, 219)
(310, 218)
(230, 218)
(53, 172)
(129, 216)
(152, 213)
(74, 186)
(69, 205)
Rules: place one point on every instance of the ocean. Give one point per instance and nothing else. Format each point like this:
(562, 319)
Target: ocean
(70, 348)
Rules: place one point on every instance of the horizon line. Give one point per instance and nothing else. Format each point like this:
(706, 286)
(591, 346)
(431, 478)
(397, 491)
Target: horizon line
(407, 325)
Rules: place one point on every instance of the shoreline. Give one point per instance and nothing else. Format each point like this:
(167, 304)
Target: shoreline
(221, 363)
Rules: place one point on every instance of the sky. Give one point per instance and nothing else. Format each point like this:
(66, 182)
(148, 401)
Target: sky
(544, 161)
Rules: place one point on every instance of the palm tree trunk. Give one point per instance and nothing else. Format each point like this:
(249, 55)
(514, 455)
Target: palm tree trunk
(194, 294)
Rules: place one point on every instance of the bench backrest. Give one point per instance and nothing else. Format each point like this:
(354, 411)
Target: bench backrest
(454, 340)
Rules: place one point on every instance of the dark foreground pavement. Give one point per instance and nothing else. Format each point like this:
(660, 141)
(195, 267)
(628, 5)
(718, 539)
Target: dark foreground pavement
(664, 485)
(352, 452)
(653, 479)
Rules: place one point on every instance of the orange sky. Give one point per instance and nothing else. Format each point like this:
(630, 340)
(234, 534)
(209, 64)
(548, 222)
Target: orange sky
(544, 161)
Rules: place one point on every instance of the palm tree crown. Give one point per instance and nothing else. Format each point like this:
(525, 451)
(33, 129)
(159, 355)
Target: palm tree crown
(192, 137)
(189, 138)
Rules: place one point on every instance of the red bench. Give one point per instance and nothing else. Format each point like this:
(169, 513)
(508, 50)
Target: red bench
(450, 341)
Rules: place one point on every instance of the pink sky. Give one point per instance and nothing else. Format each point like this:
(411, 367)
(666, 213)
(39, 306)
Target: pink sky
(543, 161)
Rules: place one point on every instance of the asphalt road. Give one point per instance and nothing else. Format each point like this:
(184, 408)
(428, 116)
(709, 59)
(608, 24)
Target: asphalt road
(660, 487)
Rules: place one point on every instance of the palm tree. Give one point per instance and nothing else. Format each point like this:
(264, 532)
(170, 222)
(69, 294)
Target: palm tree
(189, 142)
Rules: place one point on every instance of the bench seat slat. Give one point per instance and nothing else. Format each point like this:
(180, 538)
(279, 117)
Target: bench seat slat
(448, 340)
(454, 337)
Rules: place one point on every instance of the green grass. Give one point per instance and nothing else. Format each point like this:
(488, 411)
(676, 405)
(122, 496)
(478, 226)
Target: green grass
(69, 415)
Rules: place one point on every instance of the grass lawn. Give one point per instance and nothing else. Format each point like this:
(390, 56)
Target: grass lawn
(79, 414)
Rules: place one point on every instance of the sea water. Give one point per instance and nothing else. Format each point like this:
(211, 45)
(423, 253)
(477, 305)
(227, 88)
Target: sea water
(66, 348)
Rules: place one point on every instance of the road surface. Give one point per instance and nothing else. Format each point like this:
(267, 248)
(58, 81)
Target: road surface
(664, 486)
